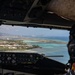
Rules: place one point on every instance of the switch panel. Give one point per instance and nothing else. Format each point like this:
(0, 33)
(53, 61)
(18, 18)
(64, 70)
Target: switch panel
(8, 58)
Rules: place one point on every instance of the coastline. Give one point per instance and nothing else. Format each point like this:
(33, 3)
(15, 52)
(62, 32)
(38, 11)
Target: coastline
(28, 44)
(44, 40)
(15, 45)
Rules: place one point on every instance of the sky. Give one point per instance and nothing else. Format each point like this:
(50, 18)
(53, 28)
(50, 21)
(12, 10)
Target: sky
(24, 31)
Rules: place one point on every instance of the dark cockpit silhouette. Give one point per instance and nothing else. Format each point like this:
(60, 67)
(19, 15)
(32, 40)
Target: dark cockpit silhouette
(57, 14)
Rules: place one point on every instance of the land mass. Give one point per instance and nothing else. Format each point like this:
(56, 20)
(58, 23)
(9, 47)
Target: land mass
(15, 45)
(46, 41)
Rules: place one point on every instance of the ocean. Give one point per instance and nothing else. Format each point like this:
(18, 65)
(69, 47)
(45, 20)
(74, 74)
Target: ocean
(55, 51)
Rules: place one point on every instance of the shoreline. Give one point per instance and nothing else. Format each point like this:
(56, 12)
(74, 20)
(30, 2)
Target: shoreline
(44, 41)
(29, 46)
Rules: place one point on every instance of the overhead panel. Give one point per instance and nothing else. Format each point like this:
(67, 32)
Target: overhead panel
(14, 9)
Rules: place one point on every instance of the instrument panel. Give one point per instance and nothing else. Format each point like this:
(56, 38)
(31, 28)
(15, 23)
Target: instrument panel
(8, 58)
(33, 63)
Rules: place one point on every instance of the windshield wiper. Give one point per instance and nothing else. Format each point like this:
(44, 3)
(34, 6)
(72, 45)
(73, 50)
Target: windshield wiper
(55, 56)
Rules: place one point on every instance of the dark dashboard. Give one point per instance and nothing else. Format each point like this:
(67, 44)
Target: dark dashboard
(19, 58)
(30, 63)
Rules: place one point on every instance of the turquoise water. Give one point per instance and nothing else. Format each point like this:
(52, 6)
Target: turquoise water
(51, 49)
